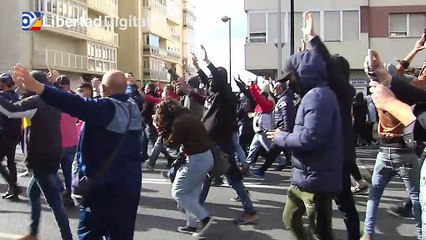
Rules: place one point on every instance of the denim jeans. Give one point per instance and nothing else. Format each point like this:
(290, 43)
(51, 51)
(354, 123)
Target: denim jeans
(158, 148)
(388, 165)
(47, 184)
(149, 135)
(240, 155)
(423, 197)
(234, 178)
(188, 183)
(259, 140)
(66, 165)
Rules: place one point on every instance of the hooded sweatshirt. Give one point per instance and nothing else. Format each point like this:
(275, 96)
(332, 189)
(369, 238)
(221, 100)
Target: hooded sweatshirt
(316, 140)
(220, 108)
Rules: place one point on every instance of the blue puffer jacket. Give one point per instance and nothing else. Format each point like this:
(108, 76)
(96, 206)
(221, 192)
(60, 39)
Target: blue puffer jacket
(285, 112)
(105, 121)
(316, 141)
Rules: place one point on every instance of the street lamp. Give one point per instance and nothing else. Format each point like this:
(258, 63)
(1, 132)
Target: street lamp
(228, 19)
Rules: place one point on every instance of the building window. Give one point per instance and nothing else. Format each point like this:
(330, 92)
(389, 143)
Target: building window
(350, 25)
(154, 40)
(257, 27)
(146, 39)
(406, 25)
(332, 26)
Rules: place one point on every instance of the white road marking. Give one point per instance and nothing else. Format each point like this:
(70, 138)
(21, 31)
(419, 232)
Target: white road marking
(249, 185)
(9, 236)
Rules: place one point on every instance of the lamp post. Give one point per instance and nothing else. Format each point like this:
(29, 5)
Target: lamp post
(228, 19)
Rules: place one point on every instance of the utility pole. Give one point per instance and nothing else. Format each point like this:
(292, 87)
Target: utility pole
(291, 27)
(279, 43)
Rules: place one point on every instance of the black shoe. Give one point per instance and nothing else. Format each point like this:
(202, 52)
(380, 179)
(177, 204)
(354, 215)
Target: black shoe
(170, 161)
(280, 168)
(187, 230)
(203, 225)
(217, 182)
(401, 211)
(9, 195)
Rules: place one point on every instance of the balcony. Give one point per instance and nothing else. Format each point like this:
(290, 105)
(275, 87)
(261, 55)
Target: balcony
(161, 53)
(101, 65)
(154, 74)
(60, 60)
(105, 7)
(65, 61)
(173, 57)
(154, 51)
(102, 35)
(175, 37)
(75, 31)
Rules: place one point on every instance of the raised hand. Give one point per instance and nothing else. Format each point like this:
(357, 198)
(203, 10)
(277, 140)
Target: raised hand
(23, 79)
(377, 68)
(419, 46)
(206, 57)
(195, 61)
(308, 30)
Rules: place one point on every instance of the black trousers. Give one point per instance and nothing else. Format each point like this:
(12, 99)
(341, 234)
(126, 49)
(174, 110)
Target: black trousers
(272, 155)
(346, 205)
(369, 132)
(354, 170)
(7, 149)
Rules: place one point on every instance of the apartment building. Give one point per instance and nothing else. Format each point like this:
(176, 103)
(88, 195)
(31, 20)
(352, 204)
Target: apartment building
(76, 51)
(165, 40)
(189, 37)
(348, 28)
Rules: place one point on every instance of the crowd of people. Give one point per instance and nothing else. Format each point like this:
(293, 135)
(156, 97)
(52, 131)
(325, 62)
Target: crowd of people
(310, 120)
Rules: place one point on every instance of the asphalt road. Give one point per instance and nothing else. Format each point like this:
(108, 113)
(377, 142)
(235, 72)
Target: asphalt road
(158, 218)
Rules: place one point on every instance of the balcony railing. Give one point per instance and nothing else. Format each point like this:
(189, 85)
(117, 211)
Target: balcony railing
(175, 36)
(71, 62)
(106, 7)
(60, 60)
(155, 74)
(103, 35)
(156, 51)
(99, 65)
(173, 56)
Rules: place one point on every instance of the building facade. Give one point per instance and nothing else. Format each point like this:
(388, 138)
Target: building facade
(74, 51)
(348, 28)
(163, 42)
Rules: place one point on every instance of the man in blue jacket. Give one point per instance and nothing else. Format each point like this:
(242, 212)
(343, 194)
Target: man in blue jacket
(316, 143)
(284, 115)
(109, 209)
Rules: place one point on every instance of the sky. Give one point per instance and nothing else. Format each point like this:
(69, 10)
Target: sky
(213, 33)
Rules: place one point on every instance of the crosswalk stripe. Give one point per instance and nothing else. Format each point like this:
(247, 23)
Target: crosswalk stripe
(249, 185)
(9, 236)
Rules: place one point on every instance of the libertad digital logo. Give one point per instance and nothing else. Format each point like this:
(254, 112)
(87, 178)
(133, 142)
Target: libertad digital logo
(35, 21)
(31, 21)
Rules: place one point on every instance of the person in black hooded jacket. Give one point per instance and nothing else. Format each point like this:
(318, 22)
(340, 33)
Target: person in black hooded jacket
(219, 119)
(43, 148)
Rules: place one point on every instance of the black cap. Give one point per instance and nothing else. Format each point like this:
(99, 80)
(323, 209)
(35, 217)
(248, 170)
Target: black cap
(5, 77)
(63, 80)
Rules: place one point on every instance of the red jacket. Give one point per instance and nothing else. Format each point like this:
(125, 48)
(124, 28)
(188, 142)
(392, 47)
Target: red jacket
(156, 100)
(264, 105)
